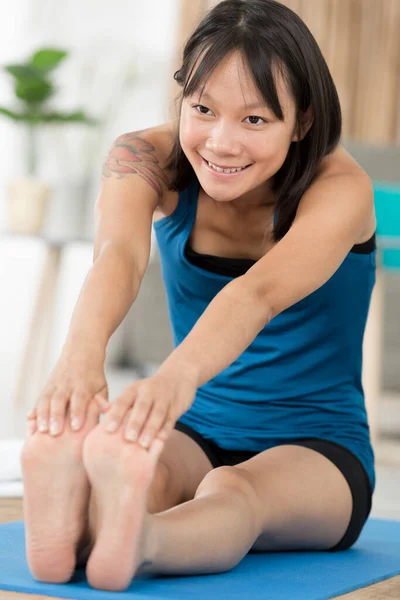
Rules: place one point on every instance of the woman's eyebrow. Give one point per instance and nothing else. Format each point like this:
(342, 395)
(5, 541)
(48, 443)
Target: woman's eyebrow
(245, 106)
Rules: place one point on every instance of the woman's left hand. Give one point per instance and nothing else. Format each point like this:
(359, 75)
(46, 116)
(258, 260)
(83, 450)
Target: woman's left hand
(156, 403)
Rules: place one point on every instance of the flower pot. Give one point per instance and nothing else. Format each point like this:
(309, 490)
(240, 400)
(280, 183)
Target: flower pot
(27, 201)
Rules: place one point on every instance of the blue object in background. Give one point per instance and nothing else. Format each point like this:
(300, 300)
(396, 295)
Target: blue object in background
(387, 207)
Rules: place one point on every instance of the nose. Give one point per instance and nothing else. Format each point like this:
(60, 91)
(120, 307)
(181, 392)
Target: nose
(223, 141)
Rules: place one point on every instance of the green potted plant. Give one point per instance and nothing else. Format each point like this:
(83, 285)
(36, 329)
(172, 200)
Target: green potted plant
(28, 197)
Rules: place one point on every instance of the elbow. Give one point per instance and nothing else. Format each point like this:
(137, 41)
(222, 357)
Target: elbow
(269, 307)
(256, 299)
(266, 294)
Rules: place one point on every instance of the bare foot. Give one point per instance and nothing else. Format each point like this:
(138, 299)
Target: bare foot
(120, 474)
(56, 495)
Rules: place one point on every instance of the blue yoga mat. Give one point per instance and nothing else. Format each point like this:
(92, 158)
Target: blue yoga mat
(276, 576)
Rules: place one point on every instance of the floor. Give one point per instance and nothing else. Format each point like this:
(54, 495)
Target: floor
(386, 503)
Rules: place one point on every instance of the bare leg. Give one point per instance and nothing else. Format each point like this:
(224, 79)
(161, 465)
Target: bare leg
(209, 534)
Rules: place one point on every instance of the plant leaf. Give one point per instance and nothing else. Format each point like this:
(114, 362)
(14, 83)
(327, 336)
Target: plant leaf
(75, 117)
(47, 59)
(49, 117)
(34, 91)
(24, 72)
(11, 114)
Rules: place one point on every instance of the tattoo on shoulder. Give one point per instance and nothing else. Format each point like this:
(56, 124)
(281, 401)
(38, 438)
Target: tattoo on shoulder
(132, 154)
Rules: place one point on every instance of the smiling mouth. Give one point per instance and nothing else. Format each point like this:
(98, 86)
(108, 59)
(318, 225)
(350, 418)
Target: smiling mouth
(221, 170)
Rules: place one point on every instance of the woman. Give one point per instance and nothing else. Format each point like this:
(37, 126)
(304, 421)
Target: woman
(257, 432)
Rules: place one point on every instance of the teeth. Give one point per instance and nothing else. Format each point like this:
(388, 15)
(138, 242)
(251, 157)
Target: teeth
(220, 170)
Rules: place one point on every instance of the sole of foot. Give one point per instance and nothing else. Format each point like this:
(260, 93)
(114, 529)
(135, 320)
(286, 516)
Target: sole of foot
(120, 474)
(56, 495)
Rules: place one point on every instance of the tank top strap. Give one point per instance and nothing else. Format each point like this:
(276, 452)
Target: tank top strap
(187, 203)
(191, 199)
(184, 213)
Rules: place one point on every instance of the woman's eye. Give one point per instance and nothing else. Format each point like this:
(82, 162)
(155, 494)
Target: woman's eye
(199, 108)
(254, 117)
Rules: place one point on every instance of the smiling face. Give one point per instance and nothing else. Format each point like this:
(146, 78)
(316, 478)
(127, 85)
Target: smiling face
(218, 127)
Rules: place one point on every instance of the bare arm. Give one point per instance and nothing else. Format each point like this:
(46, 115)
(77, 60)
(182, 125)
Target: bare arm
(132, 187)
(108, 292)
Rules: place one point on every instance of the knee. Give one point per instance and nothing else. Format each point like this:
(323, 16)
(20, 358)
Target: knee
(226, 478)
(235, 484)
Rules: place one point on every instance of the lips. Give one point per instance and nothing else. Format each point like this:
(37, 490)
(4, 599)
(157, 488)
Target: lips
(225, 166)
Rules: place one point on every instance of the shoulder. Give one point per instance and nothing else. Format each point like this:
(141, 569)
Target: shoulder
(340, 162)
(344, 167)
(144, 152)
(341, 185)
(162, 138)
(340, 175)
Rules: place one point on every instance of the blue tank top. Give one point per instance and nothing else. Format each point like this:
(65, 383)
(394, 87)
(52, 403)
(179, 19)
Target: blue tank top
(301, 375)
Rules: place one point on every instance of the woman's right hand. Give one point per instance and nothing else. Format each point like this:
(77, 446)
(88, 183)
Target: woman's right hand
(73, 383)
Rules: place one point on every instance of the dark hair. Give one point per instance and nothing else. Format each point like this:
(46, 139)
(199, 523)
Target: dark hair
(268, 35)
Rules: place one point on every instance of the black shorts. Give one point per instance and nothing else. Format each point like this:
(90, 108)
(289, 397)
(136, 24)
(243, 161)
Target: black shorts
(345, 460)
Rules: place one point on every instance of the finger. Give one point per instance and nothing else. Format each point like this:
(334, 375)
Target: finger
(153, 424)
(103, 404)
(43, 411)
(78, 406)
(58, 407)
(156, 449)
(166, 429)
(125, 420)
(118, 410)
(31, 427)
(32, 414)
(139, 415)
(92, 413)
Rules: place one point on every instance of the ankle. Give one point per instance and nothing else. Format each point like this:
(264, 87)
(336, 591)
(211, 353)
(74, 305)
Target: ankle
(149, 547)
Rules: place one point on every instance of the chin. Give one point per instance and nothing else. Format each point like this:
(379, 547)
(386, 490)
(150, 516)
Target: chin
(222, 199)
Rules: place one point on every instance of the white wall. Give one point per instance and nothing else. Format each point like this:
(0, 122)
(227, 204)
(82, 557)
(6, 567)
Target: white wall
(108, 42)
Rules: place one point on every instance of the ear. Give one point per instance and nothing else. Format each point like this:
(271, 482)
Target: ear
(306, 120)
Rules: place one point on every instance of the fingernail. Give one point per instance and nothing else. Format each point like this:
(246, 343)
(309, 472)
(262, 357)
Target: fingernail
(145, 441)
(42, 425)
(75, 422)
(112, 426)
(131, 435)
(54, 427)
